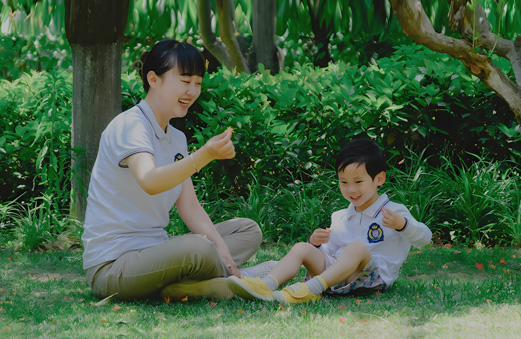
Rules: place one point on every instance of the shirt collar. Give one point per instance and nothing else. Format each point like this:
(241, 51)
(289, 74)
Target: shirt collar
(371, 211)
(149, 114)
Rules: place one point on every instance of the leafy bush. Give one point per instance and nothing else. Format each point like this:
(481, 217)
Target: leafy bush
(297, 120)
(475, 204)
(44, 52)
(35, 145)
(288, 129)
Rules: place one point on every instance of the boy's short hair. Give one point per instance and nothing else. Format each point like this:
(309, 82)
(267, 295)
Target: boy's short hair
(361, 151)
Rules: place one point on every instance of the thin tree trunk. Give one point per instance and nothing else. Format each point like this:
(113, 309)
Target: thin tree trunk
(264, 25)
(95, 31)
(96, 99)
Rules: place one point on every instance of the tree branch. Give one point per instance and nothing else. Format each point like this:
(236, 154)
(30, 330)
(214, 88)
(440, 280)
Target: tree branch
(416, 25)
(214, 46)
(225, 11)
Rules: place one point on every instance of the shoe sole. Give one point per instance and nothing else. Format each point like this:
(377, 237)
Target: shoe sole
(215, 288)
(236, 286)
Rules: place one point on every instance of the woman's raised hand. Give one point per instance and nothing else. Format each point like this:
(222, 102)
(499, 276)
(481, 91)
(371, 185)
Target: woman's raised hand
(221, 146)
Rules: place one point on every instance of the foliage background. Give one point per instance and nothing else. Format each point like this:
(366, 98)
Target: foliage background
(445, 133)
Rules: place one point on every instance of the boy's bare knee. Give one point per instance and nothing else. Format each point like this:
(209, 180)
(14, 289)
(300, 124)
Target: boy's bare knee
(359, 248)
(301, 248)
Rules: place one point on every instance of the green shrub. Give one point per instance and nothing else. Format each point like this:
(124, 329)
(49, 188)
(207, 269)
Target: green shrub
(35, 145)
(297, 120)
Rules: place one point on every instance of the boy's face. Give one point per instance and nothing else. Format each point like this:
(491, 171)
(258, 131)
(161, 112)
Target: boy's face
(358, 187)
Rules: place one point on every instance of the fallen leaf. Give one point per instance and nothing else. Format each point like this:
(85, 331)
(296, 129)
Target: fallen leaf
(303, 312)
(167, 300)
(104, 319)
(132, 311)
(503, 261)
(342, 319)
(117, 307)
(342, 307)
(479, 266)
(185, 299)
(447, 245)
(431, 264)
(240, 311)
(212, 304)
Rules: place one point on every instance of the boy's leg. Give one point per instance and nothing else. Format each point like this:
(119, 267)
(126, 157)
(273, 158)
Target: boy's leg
(242, 236)
(143, 273)
(351, 262)
(287, 268)
(300, 254)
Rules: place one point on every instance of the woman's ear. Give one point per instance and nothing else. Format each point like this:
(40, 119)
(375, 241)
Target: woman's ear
(380, 178)
(153, 79)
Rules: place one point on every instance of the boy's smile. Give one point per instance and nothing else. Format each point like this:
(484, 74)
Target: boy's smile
(358, 187)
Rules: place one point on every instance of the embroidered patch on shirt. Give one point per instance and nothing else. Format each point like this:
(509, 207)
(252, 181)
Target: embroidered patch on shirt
(375, 233)
(178, 157)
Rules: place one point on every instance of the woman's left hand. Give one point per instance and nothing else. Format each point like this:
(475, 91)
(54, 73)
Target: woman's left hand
(228, 260)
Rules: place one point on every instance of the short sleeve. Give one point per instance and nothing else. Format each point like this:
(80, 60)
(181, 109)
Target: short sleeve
(128, 134)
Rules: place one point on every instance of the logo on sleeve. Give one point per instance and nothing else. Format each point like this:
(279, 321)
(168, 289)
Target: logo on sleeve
(178, 157)
(375, 233)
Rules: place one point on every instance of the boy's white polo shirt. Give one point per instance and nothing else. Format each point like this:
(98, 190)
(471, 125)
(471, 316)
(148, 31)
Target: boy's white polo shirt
(389, 247)
(120, 216)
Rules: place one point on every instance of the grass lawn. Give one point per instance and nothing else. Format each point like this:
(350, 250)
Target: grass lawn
(441, 293)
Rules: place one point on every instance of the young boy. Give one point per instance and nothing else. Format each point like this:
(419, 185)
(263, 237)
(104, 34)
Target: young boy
(364, 248)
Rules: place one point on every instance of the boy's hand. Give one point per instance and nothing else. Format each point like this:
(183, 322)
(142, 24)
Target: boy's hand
(320, 236)
(392, 219)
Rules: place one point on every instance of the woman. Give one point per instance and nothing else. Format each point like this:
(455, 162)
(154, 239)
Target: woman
(142, 169)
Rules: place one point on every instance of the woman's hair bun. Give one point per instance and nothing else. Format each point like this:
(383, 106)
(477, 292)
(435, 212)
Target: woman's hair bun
(138, 65)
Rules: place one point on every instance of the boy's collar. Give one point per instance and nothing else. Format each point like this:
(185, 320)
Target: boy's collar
(371, 211)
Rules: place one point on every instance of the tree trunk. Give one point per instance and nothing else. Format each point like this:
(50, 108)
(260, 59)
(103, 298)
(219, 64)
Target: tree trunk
(264, 25)
(95, 31)
(96, 100)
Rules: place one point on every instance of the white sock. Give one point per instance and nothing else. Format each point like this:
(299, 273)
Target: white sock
(271, 282)
(316, 285)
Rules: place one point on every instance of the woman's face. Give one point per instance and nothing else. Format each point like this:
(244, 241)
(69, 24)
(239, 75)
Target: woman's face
(177, 92)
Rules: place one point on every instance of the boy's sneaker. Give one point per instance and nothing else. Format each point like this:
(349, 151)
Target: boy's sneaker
(249, 288)
(215, 288)
(258, 271)
(296, 293)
